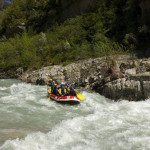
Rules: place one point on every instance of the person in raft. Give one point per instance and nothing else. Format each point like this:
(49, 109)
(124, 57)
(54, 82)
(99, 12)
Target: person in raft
(50, 86)
(55, 89)
(72, 91)
(61, 90)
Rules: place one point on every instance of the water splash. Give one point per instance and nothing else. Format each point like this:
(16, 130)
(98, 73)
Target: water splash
(97, 123)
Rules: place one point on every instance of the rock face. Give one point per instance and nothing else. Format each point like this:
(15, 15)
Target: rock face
(123, 89)
(7, 74)
(119, 77)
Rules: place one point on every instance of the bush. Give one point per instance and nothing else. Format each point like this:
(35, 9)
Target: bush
(82, 37)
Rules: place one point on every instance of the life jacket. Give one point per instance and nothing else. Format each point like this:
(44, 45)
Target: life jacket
(62, 90)
(72, 90)
(59, 91)
(49, 89)
(51, 84)
(55, 90)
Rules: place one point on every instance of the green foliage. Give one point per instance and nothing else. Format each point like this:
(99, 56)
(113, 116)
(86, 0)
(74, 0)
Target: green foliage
(13, 18)
(1, 19)
(40, 39)
(75, 39)
(17, 52)
(120, 17)
(30, 15)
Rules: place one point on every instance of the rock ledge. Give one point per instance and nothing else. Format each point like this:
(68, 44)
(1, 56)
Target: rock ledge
(117, 77)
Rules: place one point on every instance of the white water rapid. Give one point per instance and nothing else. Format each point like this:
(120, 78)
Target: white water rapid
(28, 121)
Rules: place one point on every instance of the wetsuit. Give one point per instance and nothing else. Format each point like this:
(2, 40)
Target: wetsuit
(72, 90)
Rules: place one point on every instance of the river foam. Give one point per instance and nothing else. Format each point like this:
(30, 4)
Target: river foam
(96, 124)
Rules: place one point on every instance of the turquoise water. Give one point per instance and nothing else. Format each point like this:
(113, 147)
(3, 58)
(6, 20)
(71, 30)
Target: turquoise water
(29, 121)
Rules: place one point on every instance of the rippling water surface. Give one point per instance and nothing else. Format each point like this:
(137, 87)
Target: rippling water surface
(29, 121)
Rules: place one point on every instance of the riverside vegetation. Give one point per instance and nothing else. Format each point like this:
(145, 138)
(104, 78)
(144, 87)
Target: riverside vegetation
(34, 33)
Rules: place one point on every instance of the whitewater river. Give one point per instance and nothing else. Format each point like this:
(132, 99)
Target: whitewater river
(28, 121)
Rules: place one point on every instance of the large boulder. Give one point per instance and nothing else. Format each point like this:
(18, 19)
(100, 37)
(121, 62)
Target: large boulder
(122, 89)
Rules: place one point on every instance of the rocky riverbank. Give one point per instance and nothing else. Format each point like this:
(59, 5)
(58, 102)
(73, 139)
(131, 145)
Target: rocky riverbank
(117, 77)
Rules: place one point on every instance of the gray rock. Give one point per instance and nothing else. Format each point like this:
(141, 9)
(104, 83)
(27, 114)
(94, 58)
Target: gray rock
(122, 89)
(146, 89)
(19, 71)
(141, 77)
(130, 71)
(123, 78)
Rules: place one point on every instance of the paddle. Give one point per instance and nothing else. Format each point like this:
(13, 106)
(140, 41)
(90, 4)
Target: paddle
(80, 96)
